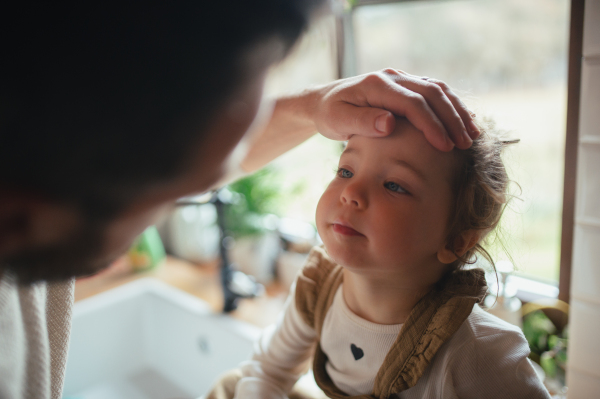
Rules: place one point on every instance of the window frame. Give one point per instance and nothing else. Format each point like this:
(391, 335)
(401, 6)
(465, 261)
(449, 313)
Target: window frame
(571, 146)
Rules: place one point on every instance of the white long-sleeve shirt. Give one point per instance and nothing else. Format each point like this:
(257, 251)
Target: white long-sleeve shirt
(485, 358)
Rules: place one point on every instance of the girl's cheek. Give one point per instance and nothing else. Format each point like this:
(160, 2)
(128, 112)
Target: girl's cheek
(319, 213)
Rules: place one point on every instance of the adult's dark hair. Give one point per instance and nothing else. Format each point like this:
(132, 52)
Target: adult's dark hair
(90, 91)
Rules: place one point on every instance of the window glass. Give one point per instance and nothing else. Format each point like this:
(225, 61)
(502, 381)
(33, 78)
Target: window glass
(310, 62)
(508, 60)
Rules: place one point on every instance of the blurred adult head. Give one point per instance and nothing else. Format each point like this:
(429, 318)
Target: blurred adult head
(110, 111)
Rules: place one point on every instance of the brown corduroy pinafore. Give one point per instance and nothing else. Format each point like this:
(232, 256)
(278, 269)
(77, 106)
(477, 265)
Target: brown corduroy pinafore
(431, 323)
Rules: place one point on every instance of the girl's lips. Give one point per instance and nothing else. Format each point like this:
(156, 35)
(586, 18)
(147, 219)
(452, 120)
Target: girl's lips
(345, 230)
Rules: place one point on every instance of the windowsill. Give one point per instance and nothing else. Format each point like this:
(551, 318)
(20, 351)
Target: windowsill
(529, 290)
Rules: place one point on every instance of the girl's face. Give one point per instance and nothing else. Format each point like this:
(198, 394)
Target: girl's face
(387, 210)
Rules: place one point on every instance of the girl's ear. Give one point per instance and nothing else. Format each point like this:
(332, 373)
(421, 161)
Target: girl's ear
(462, 244)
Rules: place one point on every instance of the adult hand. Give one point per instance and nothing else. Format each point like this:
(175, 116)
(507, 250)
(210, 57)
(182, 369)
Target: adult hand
(366, 105)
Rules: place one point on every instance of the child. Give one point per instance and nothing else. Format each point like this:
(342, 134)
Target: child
(386, 307)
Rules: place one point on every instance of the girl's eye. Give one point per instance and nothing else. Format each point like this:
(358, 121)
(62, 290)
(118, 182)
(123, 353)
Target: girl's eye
(344, 173)
(394, 187)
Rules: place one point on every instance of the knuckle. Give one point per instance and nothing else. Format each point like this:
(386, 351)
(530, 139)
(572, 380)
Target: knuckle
(434, 90)
(441, 84)
(416, 100)
(373, 79)
(390, 71)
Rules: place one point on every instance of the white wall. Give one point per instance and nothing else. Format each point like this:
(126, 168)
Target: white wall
(583, 376)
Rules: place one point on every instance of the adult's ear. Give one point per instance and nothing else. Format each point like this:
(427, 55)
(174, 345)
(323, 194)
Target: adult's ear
(29, 221)
(464, 242)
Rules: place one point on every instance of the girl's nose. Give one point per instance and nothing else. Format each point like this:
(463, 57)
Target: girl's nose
(354, 195)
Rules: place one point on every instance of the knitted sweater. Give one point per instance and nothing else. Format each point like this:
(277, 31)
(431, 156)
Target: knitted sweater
(34, 336)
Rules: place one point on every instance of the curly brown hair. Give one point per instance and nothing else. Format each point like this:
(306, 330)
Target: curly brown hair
(481, 191)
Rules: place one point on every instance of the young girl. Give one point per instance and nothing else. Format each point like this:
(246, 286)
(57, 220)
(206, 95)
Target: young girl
(386, 307)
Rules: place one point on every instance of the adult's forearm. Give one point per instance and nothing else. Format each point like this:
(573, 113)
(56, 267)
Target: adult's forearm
(291, 124)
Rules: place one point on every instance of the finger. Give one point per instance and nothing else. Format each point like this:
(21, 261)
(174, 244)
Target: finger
(419, 114)
(465, 114)
(404, 102)
(443, 107)
(347, 119)
(462, 110)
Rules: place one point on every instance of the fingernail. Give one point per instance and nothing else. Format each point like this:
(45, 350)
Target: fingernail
(449, 142)
(380, 123)
(473, 130)
(467, 140)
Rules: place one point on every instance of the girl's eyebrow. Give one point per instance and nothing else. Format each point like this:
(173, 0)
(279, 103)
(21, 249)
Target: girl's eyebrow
(349, 150)
(396, 161)
(407, 165)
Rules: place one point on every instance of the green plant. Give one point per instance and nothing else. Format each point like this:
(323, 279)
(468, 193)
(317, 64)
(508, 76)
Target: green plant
(258, 195)
(548, 345)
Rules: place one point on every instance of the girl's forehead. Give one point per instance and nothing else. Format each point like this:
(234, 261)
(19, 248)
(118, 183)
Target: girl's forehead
(406, 145)
(405, 140)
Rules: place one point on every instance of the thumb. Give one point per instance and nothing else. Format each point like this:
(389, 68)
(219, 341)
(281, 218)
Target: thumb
(364, 121)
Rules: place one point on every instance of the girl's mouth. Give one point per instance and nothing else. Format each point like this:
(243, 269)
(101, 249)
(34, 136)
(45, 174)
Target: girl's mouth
(345, 230)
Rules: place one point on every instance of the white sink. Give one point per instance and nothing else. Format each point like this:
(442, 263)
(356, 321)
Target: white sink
(147, 340)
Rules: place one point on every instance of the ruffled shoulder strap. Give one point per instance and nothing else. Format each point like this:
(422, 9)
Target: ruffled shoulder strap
(316, 286)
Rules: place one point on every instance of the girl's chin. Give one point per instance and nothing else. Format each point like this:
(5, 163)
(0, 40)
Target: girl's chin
(343, 255)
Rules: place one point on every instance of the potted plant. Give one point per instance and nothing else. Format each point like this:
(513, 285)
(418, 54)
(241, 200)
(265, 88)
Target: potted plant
(251, 222)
